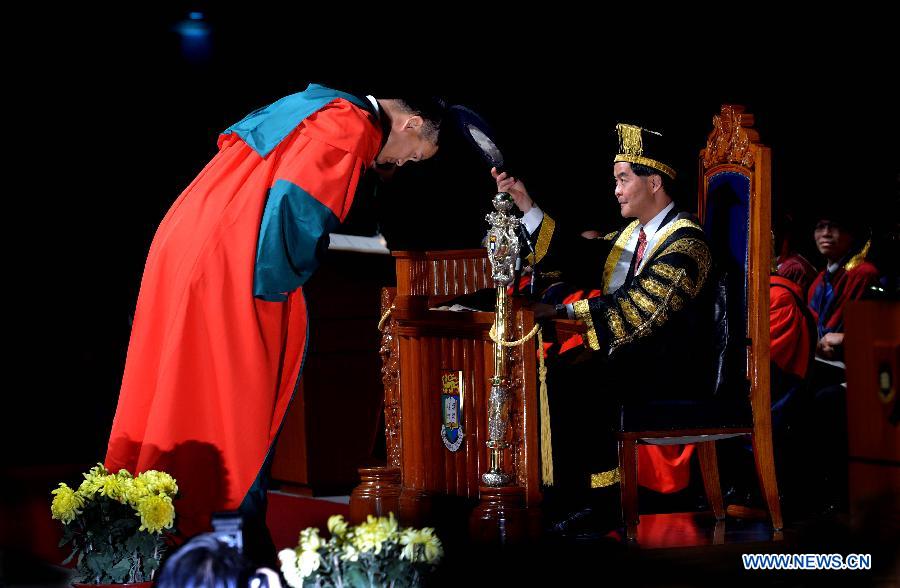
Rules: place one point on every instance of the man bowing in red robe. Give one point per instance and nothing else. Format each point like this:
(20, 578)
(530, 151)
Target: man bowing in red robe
(220, 328)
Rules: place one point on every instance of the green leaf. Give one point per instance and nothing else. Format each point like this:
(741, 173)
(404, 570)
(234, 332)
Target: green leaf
(354, 577)
(139, 542)
(120, 571)
(68, 560)
(97, 563)
(396, 569)
(150, 565)
(352, 566)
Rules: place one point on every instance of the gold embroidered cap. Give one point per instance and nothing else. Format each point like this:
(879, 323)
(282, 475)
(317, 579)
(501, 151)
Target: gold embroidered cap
(641, 146)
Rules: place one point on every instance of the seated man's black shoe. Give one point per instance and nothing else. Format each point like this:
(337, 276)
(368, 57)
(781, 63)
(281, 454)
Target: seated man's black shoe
(571, 521)
(586, 524)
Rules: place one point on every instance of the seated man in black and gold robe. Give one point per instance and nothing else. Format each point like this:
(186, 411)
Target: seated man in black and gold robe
(649, 333)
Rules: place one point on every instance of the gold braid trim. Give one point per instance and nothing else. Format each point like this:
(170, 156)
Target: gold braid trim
(665, 270)
(545, 235)
(667, 232)
(654, 287)
(616, 252)
(630, 312)
(688, 286)
(657, 165)
(659, 317)
(546, 439)
(610, 236)
(642, 300)
(699, 254)
(583, 313)
(859, 257)
(604, 479)
(616, 323)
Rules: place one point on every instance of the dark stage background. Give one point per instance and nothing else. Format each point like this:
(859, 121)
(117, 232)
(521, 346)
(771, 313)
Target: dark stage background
(113, 114)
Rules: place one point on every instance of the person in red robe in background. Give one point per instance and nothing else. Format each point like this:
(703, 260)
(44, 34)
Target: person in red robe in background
(220, 329)
(792, 335)
(792, 344)
(844, 241)
(807, 396)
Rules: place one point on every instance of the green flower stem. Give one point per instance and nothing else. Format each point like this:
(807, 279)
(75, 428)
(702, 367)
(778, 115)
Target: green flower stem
(155, 557)
(338, 577)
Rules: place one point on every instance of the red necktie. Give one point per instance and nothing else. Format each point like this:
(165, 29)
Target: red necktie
(639, 254)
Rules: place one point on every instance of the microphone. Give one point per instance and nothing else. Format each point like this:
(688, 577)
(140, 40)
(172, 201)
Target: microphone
(523, 233)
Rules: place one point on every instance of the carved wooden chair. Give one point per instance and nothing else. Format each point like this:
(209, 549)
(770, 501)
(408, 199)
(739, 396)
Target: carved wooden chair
(735, 211)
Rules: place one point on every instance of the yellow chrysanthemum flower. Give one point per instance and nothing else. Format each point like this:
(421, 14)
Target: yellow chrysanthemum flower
(66, 504)
(337, 526)
(114, 487)
(349, 553)
(136, 491)
(127, 487)
(387, 525)
(92, 481)
(88, 488)
(310, 540)
(421, 545)
(97, 470)
(157, 513)
(159, 482)
(370, 535)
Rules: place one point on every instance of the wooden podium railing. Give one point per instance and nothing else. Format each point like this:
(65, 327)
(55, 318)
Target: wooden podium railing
(441, 275)
(418, 345)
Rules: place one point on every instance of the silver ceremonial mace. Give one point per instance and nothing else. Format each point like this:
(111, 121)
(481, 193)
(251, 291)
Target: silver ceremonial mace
(503, 252)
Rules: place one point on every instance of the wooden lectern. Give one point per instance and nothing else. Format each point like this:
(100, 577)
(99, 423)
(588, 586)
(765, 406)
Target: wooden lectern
(873, 414)
(423, 348)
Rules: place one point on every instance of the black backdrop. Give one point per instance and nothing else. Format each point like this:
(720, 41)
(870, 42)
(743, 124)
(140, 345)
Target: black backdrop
(112, 116)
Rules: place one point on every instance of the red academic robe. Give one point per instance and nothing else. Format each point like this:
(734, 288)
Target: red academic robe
(790, 338)
(848, 283)
(211, 368)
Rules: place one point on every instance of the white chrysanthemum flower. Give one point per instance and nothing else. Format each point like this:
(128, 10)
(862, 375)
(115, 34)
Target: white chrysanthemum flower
(289, 568)
(308, 562)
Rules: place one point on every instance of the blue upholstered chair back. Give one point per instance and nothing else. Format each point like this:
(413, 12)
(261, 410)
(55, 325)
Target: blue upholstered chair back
(727, 227)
